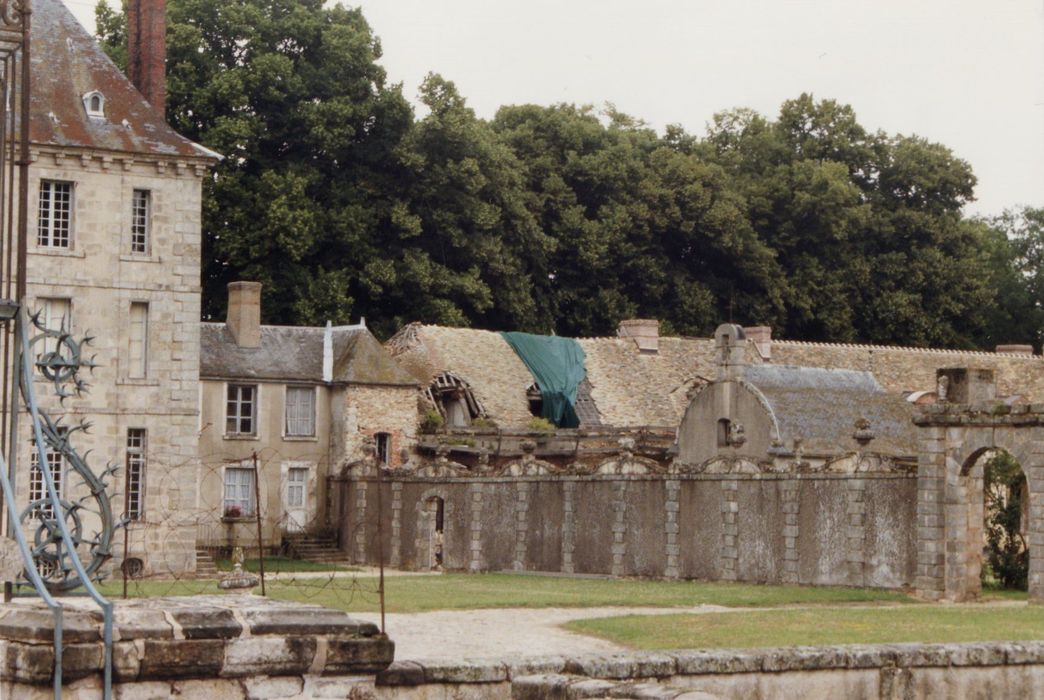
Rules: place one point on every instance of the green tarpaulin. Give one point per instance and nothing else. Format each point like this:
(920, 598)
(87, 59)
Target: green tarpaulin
(557, 364)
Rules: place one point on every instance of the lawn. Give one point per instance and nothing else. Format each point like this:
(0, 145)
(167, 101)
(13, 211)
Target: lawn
(820, 626)
(407, 594)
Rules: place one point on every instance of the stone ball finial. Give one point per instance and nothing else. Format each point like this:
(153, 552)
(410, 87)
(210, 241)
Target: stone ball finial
(863, 433)
(528, 446)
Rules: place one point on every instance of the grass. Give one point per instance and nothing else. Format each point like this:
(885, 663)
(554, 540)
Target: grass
(277, 564)
(408, 594)
(820, 626)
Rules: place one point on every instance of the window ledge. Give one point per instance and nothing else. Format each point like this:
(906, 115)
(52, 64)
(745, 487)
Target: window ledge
(141, 258)
(301, 438)
(241, 437)
(238, 519)
(57, 252)
(138, 381)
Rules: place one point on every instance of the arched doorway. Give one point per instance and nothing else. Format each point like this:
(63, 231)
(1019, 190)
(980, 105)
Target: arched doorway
(996, 548)
(435, 529)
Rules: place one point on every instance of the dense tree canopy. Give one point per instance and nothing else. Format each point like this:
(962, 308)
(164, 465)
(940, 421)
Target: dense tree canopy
(563, 219)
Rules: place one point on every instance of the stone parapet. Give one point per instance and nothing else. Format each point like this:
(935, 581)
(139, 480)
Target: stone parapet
(190, 638)
(1008, 669)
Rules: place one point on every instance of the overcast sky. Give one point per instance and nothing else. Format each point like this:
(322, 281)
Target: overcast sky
(966, 73)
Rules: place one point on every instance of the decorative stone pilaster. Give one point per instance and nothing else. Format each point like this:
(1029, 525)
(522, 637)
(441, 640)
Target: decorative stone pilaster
(521, 523)
(791, 529)
(396, 525)
(855, 530)
(672, 488)
(361, 488)
(931, 475)
(568, 525)
(619, 510)
(729, 529)
(475, 490)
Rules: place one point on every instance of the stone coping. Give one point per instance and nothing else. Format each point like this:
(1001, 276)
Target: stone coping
(693, 662)
(988, 413)
(665, 476)
(190, 637)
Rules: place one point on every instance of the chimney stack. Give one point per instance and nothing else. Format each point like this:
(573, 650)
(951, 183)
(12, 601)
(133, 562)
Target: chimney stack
(645, 331)
(761, 336)
(147, 50)
(1014, 349)
(244, 313)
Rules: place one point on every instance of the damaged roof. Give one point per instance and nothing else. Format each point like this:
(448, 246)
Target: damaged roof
(295, 353)
(820, 407)
(67, 65)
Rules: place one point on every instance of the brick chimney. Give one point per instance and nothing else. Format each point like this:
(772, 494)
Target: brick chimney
(147, 49)
(1014, 349)
(645, 331)
(244, 313)
(761, 336)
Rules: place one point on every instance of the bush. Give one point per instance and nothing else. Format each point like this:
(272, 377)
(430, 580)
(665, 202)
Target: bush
(483, 422)
(432, 421)
(1007, 557)
(541, 425)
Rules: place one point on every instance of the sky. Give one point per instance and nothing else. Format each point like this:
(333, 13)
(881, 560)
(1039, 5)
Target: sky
(965, 73)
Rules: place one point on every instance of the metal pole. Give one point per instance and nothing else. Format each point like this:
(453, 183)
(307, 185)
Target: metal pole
(126, 526)
(23, 164)
(380, 539)
(257, 512)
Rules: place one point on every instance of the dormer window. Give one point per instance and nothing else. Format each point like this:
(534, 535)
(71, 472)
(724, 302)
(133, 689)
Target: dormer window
(94, 103)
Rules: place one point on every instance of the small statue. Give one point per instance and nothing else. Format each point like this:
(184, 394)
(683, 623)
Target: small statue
(238, 578)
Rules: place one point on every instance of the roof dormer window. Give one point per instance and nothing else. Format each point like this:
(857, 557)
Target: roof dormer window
(94, 103)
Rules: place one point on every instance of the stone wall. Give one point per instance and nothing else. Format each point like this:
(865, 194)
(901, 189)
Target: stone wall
(102, 278)
(822, 529)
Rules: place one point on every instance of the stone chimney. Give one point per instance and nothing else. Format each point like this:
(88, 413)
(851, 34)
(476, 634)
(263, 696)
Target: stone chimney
(1014, 350)
(964, 385)
(147, 49)
(761, 336)
(645, 331)
(244, 313)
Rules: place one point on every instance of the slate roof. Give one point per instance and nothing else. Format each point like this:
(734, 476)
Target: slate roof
(821, 407)
(295, 353)
(68, 63)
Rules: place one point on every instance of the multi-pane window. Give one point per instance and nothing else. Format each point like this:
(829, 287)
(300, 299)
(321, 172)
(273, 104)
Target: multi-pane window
(295, 487)
(241, 409)
(136, 461)
(300, 411)
(239, 491)
(138, 350)
(37, 487)
(54, 220)
(141, 211)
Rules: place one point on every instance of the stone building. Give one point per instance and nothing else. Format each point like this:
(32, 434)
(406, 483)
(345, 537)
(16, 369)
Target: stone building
(114, 251)
(304, 401)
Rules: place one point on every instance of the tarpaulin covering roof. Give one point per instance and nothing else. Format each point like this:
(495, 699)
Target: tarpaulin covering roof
(557, 365)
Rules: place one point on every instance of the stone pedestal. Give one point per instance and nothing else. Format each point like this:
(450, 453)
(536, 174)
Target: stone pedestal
(235, 646)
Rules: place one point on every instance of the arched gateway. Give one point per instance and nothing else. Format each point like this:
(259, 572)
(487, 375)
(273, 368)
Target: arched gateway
(954, 433)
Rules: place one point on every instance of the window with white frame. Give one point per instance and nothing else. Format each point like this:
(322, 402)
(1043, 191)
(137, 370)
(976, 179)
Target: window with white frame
(136, 461)
(241, 409)
(239, 492)
(37, 487)
(55, 315)
(138, 345)
(141, 221)
(300, 411)
(54, 215)
(383, 441)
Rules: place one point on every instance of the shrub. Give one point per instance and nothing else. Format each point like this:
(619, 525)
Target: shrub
(483, 422)
(432, 421)
(1007, 556)
(541, 425)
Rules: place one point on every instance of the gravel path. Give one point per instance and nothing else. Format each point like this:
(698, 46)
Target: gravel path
(508, 632)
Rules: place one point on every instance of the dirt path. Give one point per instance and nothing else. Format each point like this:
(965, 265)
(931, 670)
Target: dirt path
(503, 633)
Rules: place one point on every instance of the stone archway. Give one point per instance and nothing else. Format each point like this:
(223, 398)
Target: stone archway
(954, 435)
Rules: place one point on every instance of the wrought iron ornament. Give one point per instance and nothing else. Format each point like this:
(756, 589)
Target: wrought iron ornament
(60, 359)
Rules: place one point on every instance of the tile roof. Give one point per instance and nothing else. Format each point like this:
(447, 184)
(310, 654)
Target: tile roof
(295, 353)
(67, 63)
